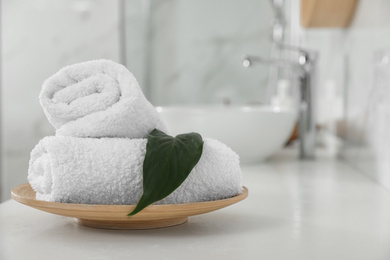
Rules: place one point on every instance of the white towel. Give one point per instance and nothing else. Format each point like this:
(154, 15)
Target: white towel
(109, 171)
(98, 98)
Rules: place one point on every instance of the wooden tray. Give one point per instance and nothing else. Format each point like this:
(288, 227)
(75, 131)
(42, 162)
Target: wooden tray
(115, 216)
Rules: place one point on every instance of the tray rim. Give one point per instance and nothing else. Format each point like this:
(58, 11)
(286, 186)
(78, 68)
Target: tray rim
(119, 212)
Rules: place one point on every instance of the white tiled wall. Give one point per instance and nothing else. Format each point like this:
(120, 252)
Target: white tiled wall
(38, 38)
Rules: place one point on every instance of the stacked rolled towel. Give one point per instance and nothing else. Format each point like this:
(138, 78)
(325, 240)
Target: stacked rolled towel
(96, 157)
(98, 99)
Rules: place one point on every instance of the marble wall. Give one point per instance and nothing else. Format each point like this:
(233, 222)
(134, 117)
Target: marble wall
(38, 38)
(194, 50)
(354, 68)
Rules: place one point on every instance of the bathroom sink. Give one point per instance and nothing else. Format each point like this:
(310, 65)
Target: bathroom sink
(254, 132)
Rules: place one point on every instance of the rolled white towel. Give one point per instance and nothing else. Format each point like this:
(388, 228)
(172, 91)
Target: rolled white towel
(109, 171)
(98, 98)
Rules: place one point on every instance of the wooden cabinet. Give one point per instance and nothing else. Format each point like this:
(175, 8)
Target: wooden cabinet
(327, 13)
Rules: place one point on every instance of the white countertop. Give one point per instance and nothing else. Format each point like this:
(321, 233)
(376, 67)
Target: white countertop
(319, 209)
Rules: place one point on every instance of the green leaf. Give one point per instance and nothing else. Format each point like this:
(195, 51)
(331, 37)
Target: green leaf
(168, 161)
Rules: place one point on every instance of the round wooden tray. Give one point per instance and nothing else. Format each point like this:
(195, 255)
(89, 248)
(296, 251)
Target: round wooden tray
(115, 216)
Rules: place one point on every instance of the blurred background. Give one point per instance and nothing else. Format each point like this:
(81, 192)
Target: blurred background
(190, 52)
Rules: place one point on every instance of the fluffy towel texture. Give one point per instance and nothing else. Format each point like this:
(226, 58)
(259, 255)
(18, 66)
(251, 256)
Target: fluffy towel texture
(98, 98)
(109, 171)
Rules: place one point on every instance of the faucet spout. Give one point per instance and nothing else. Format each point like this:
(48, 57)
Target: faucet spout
(305, 67)
(250, 60)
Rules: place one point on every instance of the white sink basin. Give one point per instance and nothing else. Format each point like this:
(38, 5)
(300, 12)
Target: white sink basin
(254, 132)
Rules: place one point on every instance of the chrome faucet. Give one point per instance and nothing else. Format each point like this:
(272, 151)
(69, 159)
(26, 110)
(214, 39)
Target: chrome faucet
(305, 68)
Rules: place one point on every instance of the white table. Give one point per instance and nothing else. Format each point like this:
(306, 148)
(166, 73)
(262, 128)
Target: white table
(319, 209)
